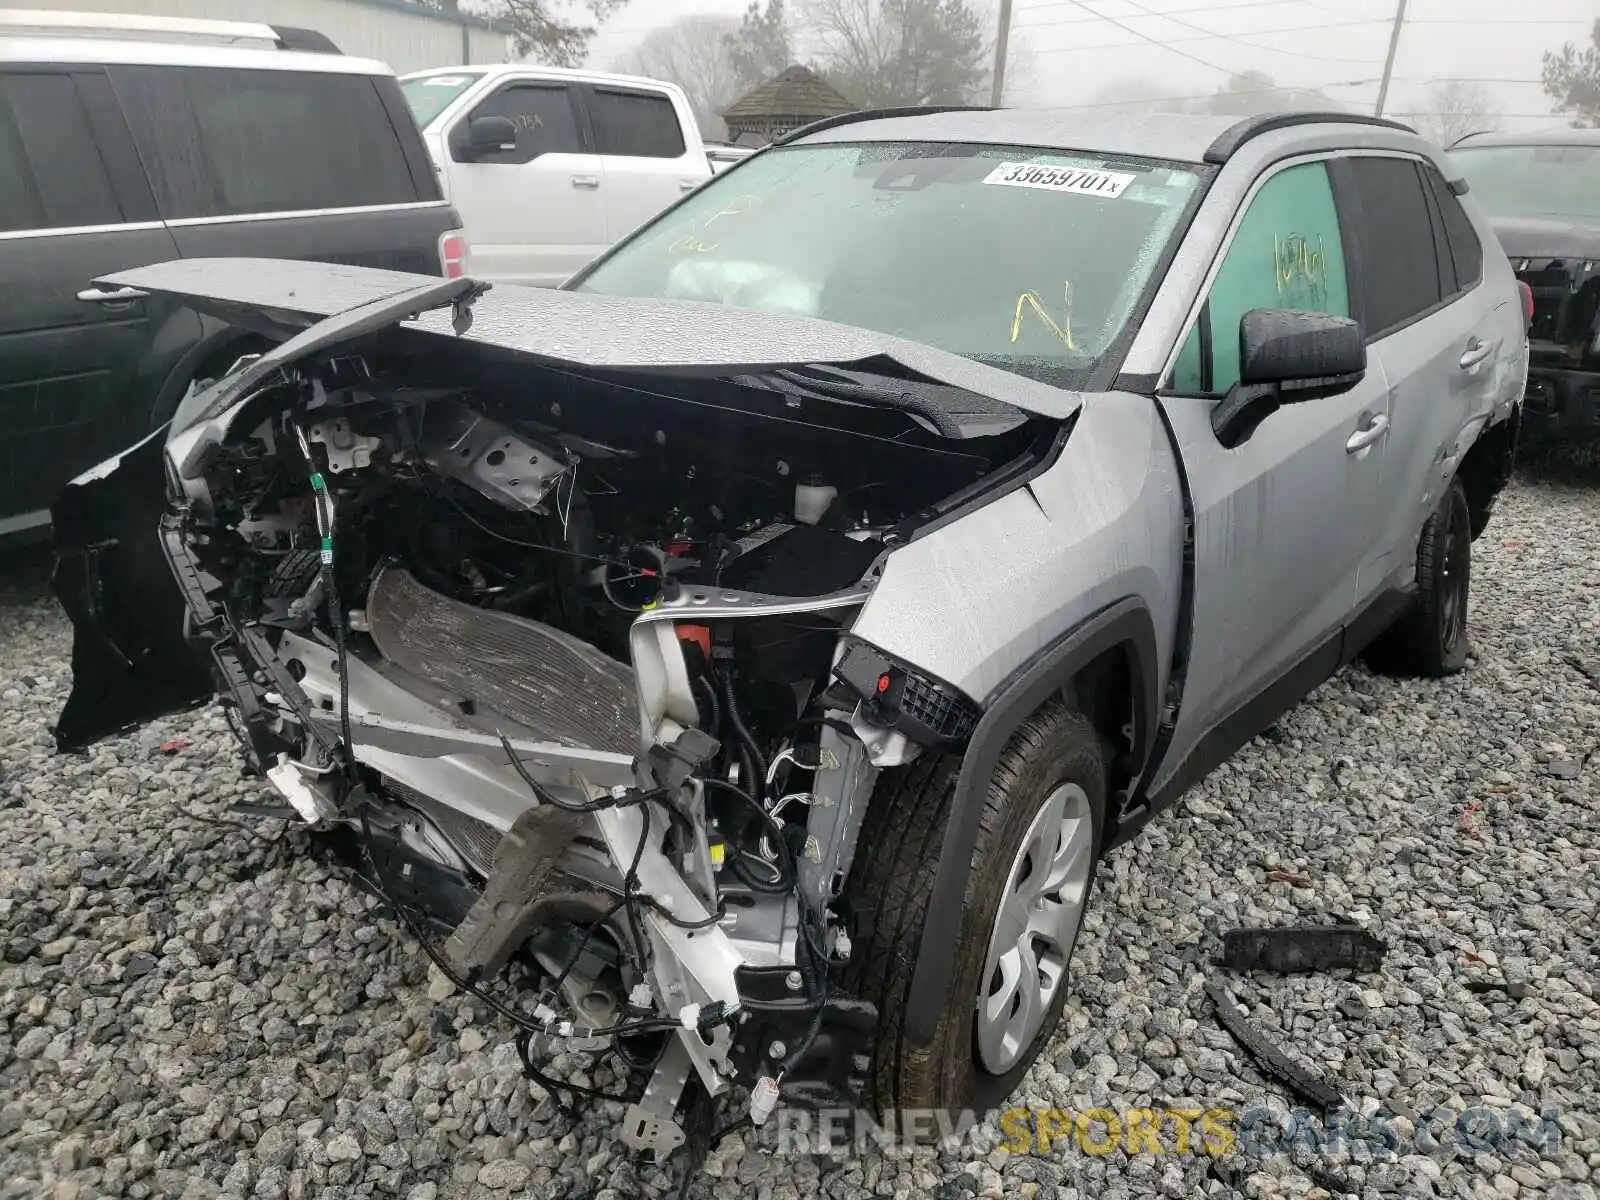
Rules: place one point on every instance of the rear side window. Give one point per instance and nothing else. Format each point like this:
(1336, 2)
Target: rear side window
(1399, 261)
(51, 174)
(1466, 251)
(1287, 253)
(635, 124)
(225, 143)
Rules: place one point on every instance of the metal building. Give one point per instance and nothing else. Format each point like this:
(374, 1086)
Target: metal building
(409, 37)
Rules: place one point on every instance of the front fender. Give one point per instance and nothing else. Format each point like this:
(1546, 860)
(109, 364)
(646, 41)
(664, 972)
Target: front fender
(1127, 624)
(1012, 600)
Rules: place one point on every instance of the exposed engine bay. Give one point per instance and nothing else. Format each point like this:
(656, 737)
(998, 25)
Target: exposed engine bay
(568, 658)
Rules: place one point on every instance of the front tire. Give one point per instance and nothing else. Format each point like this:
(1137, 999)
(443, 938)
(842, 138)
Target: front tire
(1027, 888)
(1430, 639)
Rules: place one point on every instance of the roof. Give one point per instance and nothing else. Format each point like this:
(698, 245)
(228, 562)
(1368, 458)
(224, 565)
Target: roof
(533, 71)
(1174, 137)
(798, 92)
(179, 54)
(1541, 137)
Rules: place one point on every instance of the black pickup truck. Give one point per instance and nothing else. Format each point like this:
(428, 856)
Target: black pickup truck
(1542, 192)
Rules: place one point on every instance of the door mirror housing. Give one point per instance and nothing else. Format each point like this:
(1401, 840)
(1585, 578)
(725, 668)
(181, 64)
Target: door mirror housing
(1288, 356)
(490, 135)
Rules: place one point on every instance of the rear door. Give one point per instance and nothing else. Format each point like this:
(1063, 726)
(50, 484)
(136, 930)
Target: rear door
(534, 213)
(287, 163)
(648, 162)
(74, 205)
(1435, 329)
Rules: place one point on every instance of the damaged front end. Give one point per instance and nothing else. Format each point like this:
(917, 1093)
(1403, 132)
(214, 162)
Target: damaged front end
(565, 651)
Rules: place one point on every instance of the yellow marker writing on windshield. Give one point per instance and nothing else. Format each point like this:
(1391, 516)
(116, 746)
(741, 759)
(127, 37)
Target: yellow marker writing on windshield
(1031, 300)
(691, 242)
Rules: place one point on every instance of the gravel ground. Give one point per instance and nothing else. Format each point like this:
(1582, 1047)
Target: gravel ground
(192, 1008)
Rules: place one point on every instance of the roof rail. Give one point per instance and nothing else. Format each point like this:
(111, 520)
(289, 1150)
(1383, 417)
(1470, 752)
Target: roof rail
(875, 114)
(126, 26)
(1231, 139)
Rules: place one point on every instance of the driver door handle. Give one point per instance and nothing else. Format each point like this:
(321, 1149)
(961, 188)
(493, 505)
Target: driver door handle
(587, 182)
(1374, 429)
(1475, 353)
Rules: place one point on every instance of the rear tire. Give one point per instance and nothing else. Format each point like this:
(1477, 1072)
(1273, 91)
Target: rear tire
(1430, 639)
(1031, 872)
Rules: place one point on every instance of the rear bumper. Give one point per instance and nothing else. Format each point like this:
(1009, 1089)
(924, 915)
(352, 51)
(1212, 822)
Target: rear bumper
(1561, 405)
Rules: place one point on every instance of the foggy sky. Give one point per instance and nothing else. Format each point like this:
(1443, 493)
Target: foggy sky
(1065, 56)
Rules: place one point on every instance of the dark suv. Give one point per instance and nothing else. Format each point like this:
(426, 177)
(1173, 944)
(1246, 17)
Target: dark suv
(1542, 194)
(128, 141)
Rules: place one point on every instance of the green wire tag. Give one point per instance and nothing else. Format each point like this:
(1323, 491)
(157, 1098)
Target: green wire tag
(327, 550)
(317, 484)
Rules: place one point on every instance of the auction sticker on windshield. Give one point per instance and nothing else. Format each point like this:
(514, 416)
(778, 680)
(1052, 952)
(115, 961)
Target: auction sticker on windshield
(1078, 180)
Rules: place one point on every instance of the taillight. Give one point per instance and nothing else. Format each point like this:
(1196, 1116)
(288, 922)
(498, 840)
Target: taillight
(1527, 301)
(453, 253)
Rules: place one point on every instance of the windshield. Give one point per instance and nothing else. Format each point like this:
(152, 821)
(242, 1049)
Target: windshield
(430, 95)
(1024, 259)
(1534, 181)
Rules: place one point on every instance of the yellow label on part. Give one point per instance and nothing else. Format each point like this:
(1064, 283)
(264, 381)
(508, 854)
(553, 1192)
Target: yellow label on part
(718, 853)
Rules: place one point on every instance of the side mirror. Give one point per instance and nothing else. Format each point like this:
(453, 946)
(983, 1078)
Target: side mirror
(1287, 356)
(490, 135)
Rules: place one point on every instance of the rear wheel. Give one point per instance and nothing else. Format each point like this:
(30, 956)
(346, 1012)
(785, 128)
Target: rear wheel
(1026, 892)
(1430, 638)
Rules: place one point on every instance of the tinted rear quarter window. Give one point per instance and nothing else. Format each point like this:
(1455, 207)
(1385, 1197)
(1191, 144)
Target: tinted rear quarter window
(635, 124)
(1466, 251)
(51, 173)
(1384, 202)
(222, 143)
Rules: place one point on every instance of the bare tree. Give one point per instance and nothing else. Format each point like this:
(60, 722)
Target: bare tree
(1455, 108)
(889, 52)
(693, 52)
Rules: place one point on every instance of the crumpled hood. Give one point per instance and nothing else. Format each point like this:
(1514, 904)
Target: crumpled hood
(1544, 238)
(324, 304)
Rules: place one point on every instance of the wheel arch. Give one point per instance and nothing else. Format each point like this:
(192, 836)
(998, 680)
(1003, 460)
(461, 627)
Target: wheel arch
(1487, 466)
(1107, 663)
(212, 354)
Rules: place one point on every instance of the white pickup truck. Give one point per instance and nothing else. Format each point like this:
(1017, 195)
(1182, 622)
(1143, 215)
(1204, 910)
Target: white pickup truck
(549, 167)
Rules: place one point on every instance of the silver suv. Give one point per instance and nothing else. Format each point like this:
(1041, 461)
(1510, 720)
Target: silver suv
(752, 647)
